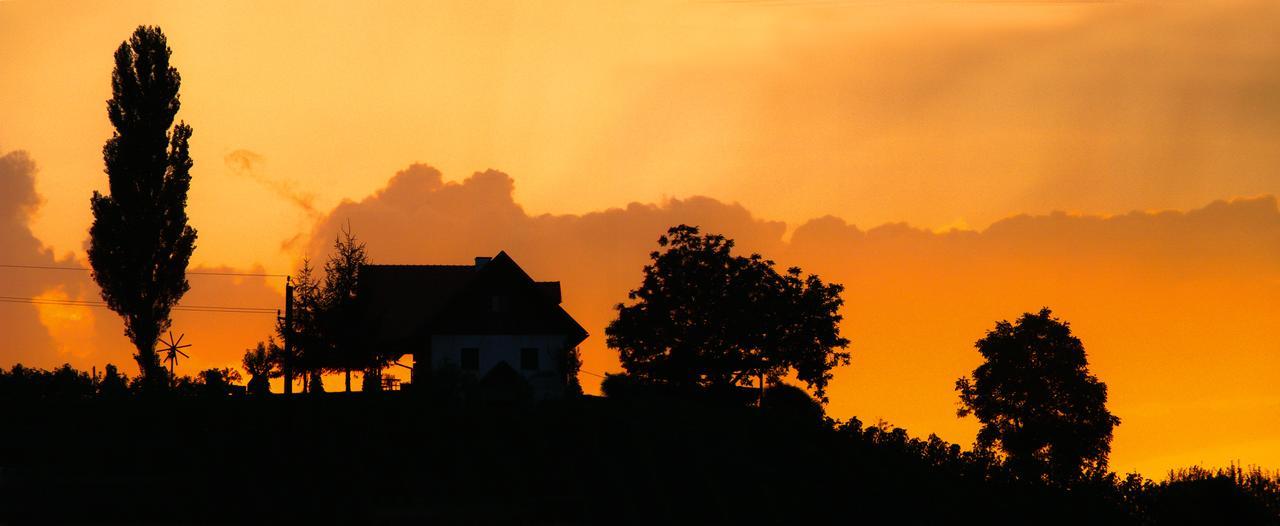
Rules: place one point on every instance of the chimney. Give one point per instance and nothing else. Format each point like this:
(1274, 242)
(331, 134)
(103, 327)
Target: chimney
(481, 261)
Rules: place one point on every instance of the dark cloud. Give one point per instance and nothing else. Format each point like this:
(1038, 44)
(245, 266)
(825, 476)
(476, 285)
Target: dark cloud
(26, 339)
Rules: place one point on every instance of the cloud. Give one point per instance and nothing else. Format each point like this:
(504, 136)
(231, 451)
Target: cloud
(418, 218)
(245, 163)
(88, 336)
(26, 339)
(1175, 307)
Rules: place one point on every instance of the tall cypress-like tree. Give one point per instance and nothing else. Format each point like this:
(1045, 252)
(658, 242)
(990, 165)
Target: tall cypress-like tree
(140, 243)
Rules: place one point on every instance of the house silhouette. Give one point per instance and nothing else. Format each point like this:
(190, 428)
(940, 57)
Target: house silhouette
(488, 320)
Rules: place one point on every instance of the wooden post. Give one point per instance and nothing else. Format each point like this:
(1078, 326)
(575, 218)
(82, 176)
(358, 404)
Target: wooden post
(288, 336)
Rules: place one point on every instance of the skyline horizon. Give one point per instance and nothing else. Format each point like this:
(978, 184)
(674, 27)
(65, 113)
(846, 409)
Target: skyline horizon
(951, 164)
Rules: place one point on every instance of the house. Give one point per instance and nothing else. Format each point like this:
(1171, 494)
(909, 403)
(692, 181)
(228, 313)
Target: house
(489, 321)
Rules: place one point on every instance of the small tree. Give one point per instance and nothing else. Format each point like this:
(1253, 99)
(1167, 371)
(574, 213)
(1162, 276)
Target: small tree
(571, 365)
(261, 363)
(140, 243)
(1037, 401)
(307, 350)
(217, 382)
(705, 318)
(113, 384)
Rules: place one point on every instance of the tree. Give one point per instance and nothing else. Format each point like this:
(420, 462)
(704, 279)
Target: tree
(217, 382)
(307, 350)
(705, 318)
(1037, 401)
(341, 276)
(261, 364)
(571, 365)
(140, 243)
(113, 383)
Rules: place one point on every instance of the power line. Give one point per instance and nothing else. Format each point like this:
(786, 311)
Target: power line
(187, 308)
(180, 309)
(194, 273)
(192, 309)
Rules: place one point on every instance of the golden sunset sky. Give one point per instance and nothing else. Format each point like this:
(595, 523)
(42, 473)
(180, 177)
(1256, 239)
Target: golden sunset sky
(953, 163)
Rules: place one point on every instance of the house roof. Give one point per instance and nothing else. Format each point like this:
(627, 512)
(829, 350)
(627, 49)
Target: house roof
(401, 303)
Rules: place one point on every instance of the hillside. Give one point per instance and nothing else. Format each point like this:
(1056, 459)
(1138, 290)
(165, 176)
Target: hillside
(393, 459)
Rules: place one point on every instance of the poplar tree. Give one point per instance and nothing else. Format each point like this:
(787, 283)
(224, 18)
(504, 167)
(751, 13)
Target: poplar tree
(140, 243)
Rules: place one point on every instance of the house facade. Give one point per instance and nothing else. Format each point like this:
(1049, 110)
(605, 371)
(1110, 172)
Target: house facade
(485, 321)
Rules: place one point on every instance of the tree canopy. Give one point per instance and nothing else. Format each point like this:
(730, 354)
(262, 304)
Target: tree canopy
(260, 363)
(1037, 401)
(324, 335)
(140, 242)
(704, 317)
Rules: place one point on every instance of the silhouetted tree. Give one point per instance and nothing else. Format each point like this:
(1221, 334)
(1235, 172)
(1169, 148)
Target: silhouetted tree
(371, 381)
(1196, 495)
(140, 243)
(706, 318)
(217, 382)
(309, 350)
(315, 382)
(571, 364)
(341, 276)
(261, 364)
(1037, 401)
(62, 382)
(113, 384)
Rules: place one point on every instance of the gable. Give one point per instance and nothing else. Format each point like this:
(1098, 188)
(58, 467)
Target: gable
(502, 299)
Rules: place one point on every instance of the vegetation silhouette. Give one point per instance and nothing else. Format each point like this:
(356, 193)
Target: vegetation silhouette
(140, 242)
(339, 313)
(323, 332)
(304, 352)
(701, 428)
(706, 318)
(262, 364)
(1038, 403)
(490, 458)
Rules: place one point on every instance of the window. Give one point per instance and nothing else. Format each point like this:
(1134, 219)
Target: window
(529, 359)
(471, 359)
(501, 303)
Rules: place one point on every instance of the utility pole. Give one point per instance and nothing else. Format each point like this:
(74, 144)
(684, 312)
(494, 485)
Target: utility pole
(287, 336)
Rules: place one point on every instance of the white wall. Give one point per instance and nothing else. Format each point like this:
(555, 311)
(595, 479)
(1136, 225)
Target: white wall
(496, 348)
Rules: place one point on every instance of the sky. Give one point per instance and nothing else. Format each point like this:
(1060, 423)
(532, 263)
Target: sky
(951, 163)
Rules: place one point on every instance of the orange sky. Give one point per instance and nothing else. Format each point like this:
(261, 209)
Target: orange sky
(610, 117)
